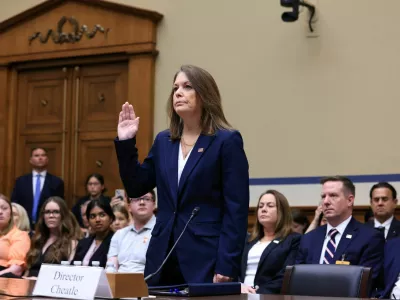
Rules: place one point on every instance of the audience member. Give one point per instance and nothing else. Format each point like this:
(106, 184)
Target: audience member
(319, 219)
(343, 238)
(383, 197)
(391, 270)
(129, 245)
(95, 189)
(14, 243)
(95, 247)
(86, 226)
(122, 217)
(271, 247)
(20, 216)
(300, 221)
(56, 236)
(32, 190)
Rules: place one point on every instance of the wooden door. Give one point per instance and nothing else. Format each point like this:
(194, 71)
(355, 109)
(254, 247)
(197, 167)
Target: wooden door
(72, 112)
(100, 92)
(43, 110)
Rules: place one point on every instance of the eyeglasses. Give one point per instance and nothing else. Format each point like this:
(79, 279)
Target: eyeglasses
(55, 212)
(137, 200)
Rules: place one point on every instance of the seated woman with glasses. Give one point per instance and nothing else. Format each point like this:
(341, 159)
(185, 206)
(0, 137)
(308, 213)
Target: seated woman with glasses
(95, 247)
(56, 236)
(271, 247)
(129, 245)
(14, 243)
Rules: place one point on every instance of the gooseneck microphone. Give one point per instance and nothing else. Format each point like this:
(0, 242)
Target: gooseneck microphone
(194, 213)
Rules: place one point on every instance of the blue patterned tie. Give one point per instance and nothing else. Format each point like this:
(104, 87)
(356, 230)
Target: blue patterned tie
(36, 198)
(330, 247)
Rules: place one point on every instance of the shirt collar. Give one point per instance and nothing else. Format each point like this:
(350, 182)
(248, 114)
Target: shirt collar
(149, 225)
(385, 224)
(42, 174)
(341, 227)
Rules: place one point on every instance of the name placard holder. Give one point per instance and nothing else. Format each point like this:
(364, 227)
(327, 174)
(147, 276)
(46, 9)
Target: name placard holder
(77, 282)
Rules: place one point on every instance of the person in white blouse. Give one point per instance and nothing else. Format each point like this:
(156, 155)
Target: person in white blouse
(271, 247)
(201, 173)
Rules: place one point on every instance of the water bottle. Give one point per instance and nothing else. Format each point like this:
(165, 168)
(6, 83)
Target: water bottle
(95, 263)
(111, 267)
(65, 263)
(77, 263)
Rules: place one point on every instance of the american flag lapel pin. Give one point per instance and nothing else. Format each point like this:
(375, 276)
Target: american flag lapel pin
(200, 150)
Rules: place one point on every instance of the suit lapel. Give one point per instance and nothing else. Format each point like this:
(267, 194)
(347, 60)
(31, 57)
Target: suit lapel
(267, 251)
(29, 191)
(393, 229)
(171, 162)
(320, 233)
(203, 142)
(349, 234)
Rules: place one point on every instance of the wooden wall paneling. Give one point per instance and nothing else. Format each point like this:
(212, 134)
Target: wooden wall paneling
(80, 124)
(9, 170)
(141, 95)
(103, 91)
(4, 74)
(96, 154)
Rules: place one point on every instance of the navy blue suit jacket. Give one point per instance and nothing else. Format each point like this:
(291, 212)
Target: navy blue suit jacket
(391, 266)
(279, 254)
(394, 230)
(99, 255)
(359, 244)
(23, 191)
(216, 179)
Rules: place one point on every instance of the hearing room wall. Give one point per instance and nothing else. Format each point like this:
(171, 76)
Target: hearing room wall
(305, 106)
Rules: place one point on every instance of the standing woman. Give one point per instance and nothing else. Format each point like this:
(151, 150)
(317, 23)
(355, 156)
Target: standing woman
(198, 162)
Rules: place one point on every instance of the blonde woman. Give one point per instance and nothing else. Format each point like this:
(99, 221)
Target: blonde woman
(20, 216)
(14, 243)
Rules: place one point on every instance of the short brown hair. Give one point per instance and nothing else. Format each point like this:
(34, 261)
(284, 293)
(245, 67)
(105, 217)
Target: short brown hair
(212, 115)
(284, 221)
(348, 185)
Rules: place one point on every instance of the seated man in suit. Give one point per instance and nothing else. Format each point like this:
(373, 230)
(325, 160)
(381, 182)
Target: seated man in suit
(383, 197)
(343, 238)
(392, 270)
(33, 189)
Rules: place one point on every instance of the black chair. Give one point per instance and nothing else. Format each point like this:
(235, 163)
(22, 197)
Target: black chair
(327, 281)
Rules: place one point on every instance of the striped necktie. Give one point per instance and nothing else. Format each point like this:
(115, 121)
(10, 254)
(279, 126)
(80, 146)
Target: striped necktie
(330, 247)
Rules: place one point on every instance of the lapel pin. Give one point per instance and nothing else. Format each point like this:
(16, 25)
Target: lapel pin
(276, 241)
(349, 236)
(200, 150)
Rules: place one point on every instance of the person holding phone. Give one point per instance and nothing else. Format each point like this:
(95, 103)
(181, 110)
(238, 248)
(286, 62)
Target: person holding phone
(199, 162)
(95, 189)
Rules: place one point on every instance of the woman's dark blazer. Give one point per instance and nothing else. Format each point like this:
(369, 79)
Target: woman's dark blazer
(100, 254)
(273, 261)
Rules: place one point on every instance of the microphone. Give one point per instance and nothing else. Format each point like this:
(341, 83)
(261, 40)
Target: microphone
(194, 213)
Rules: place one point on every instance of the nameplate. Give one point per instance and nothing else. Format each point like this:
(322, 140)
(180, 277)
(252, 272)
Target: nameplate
(72, 282)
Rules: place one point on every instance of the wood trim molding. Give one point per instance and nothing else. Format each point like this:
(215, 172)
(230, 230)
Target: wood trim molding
(51, 4)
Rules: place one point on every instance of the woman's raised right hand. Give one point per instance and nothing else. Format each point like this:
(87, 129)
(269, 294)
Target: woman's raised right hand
(128, 123)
